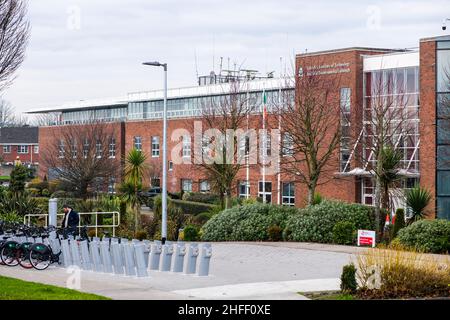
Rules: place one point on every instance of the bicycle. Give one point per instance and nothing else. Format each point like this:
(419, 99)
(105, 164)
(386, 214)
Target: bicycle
(41, 256)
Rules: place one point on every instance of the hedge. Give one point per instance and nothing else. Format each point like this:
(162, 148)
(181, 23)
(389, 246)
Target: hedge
(210, 198)
(190, 207)
(315, 223)
(427, 235)
(246, 223)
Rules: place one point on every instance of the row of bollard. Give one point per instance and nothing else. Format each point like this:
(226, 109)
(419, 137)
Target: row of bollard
(134, 258)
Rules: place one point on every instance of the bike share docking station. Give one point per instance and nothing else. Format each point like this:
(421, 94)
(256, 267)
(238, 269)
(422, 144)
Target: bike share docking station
(117, 256)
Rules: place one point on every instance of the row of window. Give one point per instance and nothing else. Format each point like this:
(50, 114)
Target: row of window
(22, 149)
(86, 148)
(264, 190)
(244, 145)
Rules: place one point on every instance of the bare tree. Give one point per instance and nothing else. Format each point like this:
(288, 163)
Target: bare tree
(83, 157)
(220, 157)
(8, 118)
(14, 33)
(310, 128)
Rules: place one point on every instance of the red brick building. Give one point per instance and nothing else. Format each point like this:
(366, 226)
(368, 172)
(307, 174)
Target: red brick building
(18, 143)
(417, 75)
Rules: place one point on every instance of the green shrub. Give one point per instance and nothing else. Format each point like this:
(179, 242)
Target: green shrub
(141, 235)
(427, 235)
(10, 217)
(344, 232)
(201, 197)
(61, 194)
(189, 207)
(248, 201)
(190, 233)
(246, 223)
(45, 193)
(399, 221)
(348, 279)
(34, 192)
(316, 223)
(203, 217)
(317, 199)
(275, 233)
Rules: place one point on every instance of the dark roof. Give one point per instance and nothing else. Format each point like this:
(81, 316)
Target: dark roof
(381, 50)
(19, 135)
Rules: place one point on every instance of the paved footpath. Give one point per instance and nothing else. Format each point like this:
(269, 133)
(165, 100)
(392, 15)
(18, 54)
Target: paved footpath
(239, 270)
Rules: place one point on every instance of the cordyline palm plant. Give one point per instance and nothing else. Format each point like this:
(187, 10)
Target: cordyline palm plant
(417, 200)
(135, 169)
(391, 160)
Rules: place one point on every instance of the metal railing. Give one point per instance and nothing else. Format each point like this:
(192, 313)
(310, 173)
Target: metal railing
(114, 225)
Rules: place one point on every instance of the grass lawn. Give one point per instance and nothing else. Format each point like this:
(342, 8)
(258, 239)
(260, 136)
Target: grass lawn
(328, 295)
(14, 289)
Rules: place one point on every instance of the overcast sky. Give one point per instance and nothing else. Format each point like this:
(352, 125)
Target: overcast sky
(82, 49)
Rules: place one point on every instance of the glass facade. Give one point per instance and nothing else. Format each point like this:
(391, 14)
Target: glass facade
(179, 107)
(443, 129)
(396, 93)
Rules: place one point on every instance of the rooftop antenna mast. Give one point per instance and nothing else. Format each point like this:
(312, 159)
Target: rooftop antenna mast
(221, 62)
(196, 63)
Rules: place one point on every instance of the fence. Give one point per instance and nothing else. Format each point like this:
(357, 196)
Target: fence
(115, 220)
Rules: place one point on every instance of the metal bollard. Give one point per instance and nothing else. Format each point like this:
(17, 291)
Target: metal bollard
(38, 240)
(96, 239)
(191, 264)
(141, 266)
(56, 246)
(205, 259)
(180, 252)
(66, 254)
(135, 241)
(167, 252)
(52, 211)
(45, 241)
(106, 257)
(95, 256)
(105, 239)
(30, 239)
(85, 256)
(155, 254)
(75, 253)
(128, 251)
(117, 258)
(123, 240)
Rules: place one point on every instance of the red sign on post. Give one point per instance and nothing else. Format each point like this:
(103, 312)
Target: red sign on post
(366, 238)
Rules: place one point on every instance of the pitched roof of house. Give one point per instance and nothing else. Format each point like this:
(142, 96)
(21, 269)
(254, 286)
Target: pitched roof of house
(12, 135)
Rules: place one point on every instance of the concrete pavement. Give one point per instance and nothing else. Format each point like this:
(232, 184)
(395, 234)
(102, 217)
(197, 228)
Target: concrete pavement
(238, 270)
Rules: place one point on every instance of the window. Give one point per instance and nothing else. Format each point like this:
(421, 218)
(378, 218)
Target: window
(98, 149)
(205, 186)
(112, 185)
(7, 149)
(170, 165)
(138, 143)
(61, 149)
(186, 185)
(155, 146)
(186, 146)
(85, 148)
(22, 149)
(265, 191)
(266, 145)
(345, 105)
(155, 182)
(112, 148)
(74, 149)
(288, 194)
(244, 189)
(288, 144)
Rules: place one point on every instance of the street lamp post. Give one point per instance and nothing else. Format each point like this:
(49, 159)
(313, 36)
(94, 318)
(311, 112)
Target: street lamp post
(164, 160)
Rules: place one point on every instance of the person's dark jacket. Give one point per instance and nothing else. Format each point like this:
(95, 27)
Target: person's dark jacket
(74, 219)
